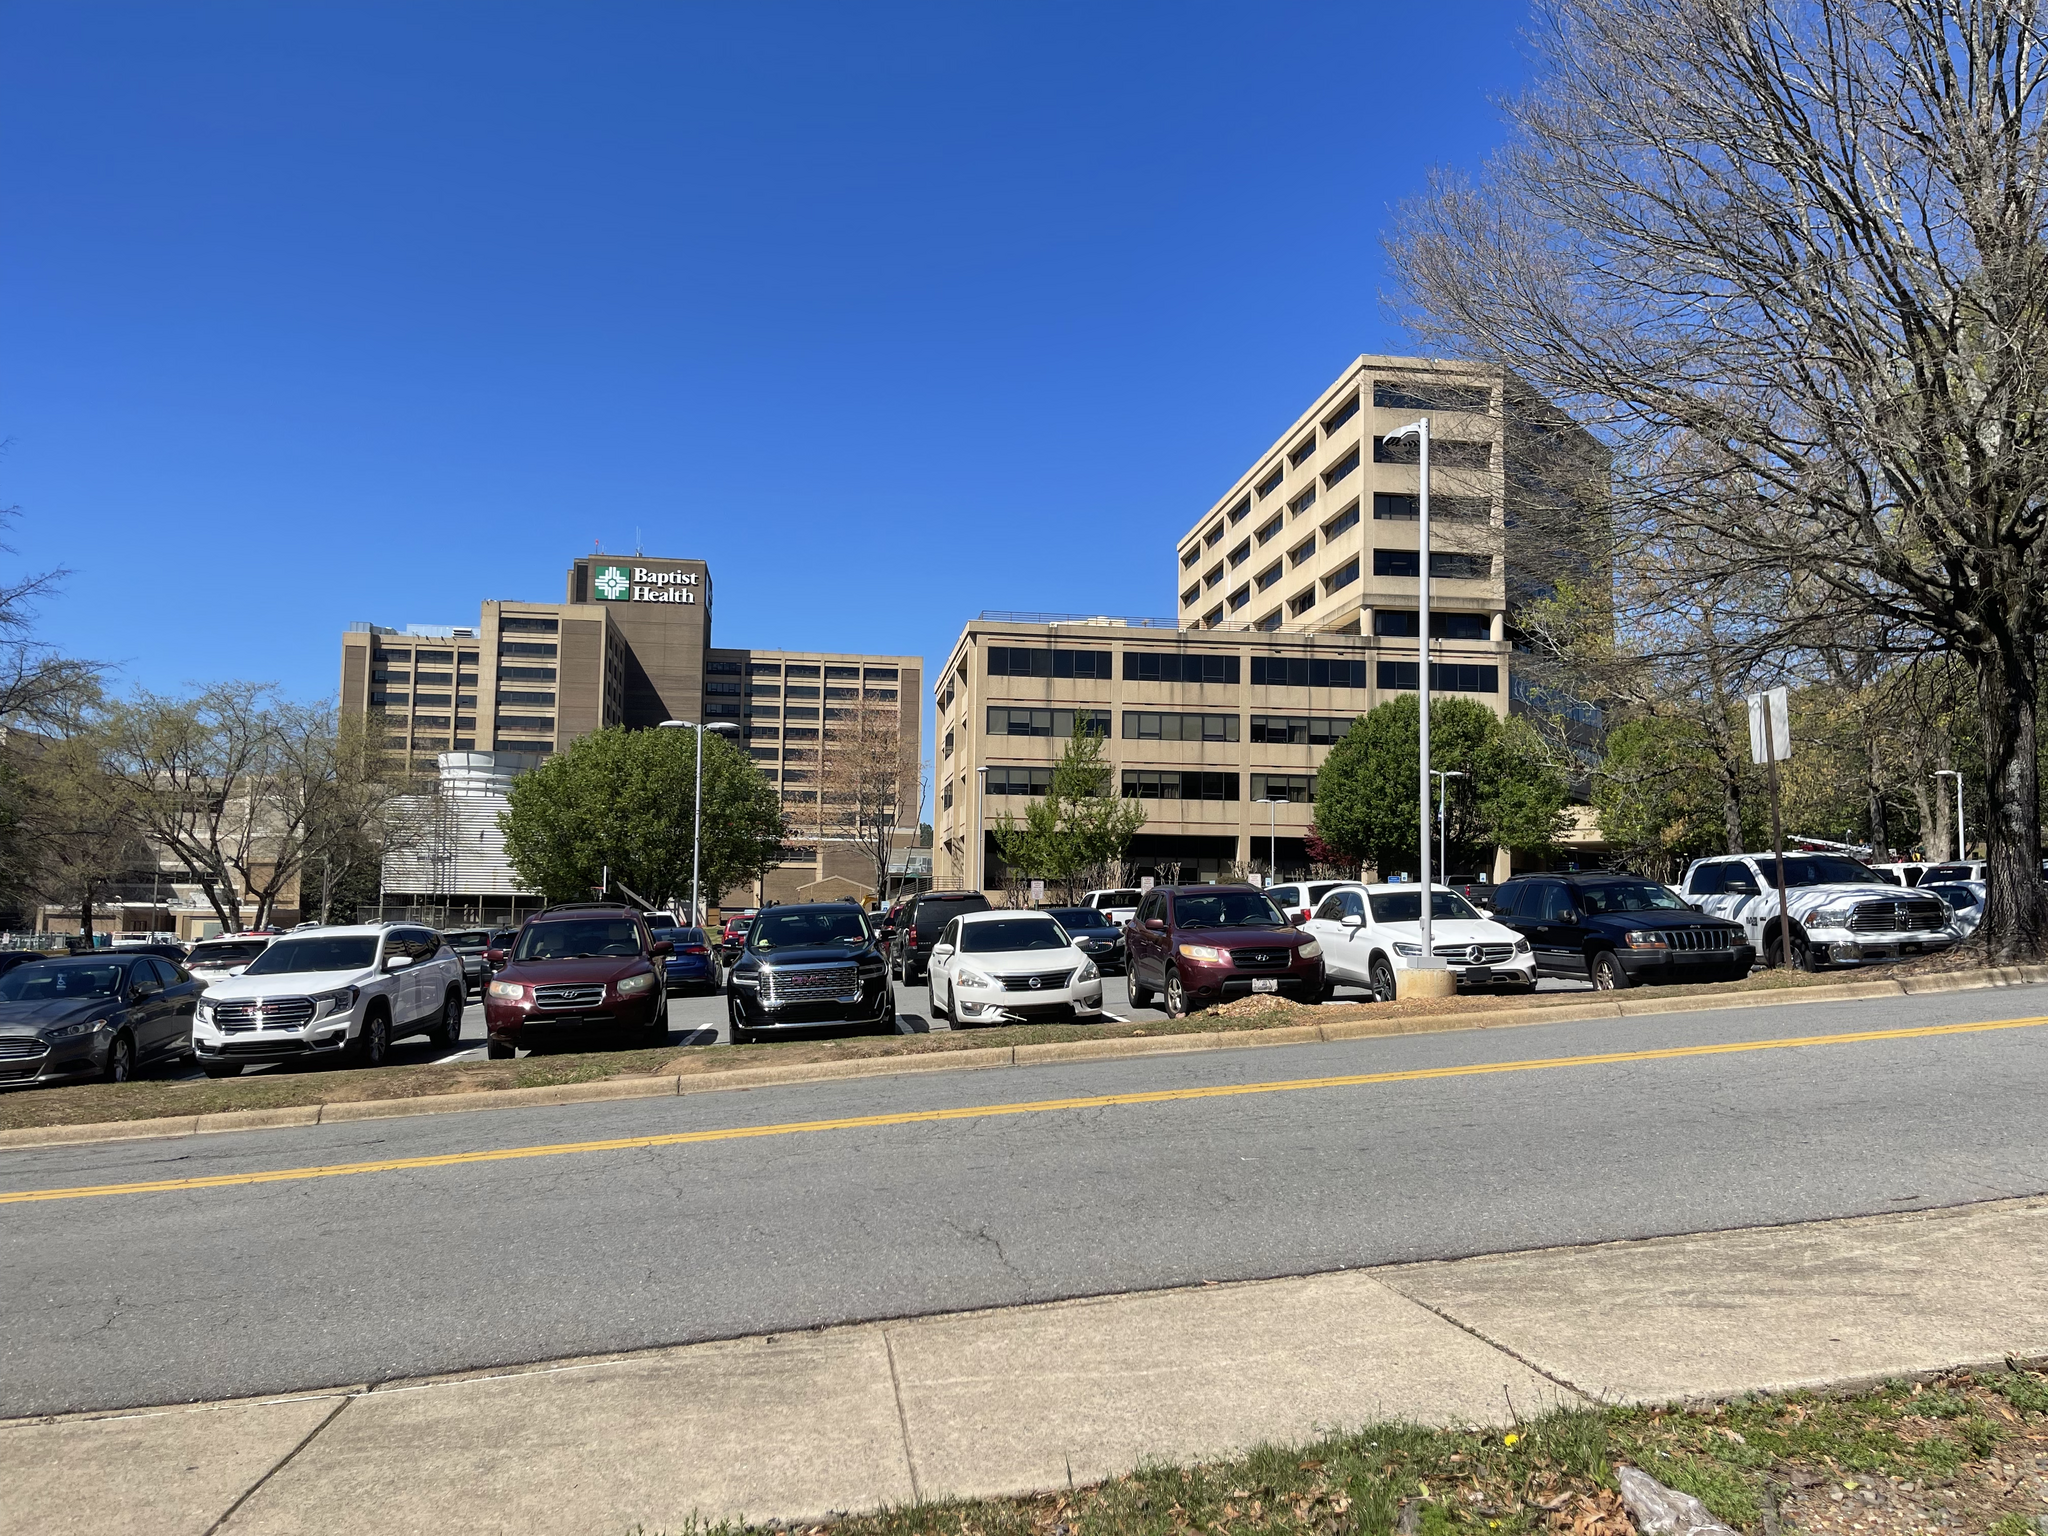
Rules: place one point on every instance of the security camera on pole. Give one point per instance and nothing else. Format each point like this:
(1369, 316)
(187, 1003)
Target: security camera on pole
(1426, 975)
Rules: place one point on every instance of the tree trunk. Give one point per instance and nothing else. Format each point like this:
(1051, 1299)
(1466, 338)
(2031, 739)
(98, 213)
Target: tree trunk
(2015, 903)
(1731, 803)
(1880, 834)
(85, 916)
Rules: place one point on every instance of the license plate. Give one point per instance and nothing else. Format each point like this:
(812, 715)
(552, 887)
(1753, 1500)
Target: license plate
(1479, 973)
(1265, 984)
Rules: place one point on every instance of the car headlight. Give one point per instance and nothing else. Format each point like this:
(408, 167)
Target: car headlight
(1087, 972)
(1647, 938)
(70, 1031)
(967, 978)
(1207, 952)
(511, 991)
(1311, 950)
(1830, 917)
(340, 1000)
(631, 986)
(1407, 951)
(1521, 946)
(204, 1013)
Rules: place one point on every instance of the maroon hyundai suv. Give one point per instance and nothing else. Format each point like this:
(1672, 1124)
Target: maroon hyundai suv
(588, 968)
(1202, 944)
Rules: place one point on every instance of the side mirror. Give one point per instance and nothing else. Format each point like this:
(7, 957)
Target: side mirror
(138, 994)
(397, 962)
(664, 947)
(1155, 925)
(1574, 915)
(1353, 920)
(940, 951)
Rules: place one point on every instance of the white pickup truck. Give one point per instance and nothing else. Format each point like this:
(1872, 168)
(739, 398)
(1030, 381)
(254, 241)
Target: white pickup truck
(1842, 913)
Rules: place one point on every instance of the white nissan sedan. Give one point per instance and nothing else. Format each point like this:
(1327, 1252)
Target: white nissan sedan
(1010, 968)
(1369, 932)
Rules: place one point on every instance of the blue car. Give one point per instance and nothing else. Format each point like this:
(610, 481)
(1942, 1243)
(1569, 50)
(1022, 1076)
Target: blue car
(690, 963)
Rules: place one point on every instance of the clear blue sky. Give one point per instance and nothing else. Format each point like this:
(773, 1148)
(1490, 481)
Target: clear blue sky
(893, 313)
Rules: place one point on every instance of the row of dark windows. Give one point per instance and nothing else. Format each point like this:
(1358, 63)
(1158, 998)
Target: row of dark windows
(1444, 677)
(1449, 565)
(1004, 721)
(1442, 626)
(1178, 784)
(1444, 452)
(1267, 672)
(1395, 507)
(1307, 672)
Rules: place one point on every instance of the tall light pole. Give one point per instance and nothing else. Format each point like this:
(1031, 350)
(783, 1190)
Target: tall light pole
(1443, 807)
(1962, 843)
(1272, 804)
(1420, 429)
(696, 803)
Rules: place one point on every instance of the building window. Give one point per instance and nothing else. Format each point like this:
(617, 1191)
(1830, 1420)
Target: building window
(1342, 579)
(525, 723)
(518, 624)
(1193, 595)
(388, 700)
(1303, 502)
(1214, 616)
(1179, 667)
(1395, 507)
(1404, 623)
(1023, 661)
(1429, 395)
(381, 676)
(946, 797)
(1271, 483)
(1175, 784)
(1298, 730)
(1342, 469)
(524, 697)
(526, 674)
(1242, 553)
(801, 733)
(800, 669)
(1301, 450)
(1241, 597)
(1454, 566)
(1145, 726)
(946, 745)
(754, 690)
(1019, 781)
(1194, 553)
(430, 722)
(800, 712)
(1302, 551)
(1444, 677)
(880, 674)
(1444, 453)
(1295, 788)
(464, 743)
(1307, 672)
(1343, 522)
(761, 669)
(802, 691)
(842, 693)
(764, 732)
(841, 674)
(880, 695)
(763, 754)
(520, 744)
(1342, 414)
(716, 707)
(722, 689)
(524, 648)
(1270, 529)
(1396, 562)
(1006, 721)
(1270, 621)
(434, 679)
(1214, 536)
(1267, 577)
(723, 668)
(1301, 602)
(1214, 578)
(1241, 510)
(797, 775)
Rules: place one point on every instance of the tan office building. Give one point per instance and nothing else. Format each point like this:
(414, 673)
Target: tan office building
(631, 646)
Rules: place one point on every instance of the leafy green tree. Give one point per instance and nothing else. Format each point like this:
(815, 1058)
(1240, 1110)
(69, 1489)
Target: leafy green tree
(623, 800)
(1366, 795)
(1079, 826)
(1658, 795)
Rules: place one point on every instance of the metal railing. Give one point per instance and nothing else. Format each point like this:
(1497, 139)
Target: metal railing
(1105, 620)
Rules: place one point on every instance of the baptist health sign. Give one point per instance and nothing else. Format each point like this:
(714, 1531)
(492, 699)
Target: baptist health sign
(632, 584)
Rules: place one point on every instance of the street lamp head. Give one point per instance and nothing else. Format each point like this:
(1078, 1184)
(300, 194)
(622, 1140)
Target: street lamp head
(1408, 431)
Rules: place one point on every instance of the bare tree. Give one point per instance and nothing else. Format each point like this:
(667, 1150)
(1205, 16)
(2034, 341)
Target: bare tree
(1787, 260)
(865, 782)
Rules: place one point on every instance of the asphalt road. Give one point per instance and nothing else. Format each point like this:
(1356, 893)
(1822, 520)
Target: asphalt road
(134, 1298)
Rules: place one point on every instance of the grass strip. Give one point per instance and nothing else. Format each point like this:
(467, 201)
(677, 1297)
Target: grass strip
(1964, 1454)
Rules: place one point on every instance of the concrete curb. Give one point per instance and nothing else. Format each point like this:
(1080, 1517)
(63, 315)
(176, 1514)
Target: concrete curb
(1629, 1005)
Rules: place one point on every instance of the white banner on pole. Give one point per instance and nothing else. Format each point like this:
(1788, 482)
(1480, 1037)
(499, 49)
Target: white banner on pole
(1781, 726)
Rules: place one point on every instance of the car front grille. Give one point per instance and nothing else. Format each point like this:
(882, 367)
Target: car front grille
(1898, 916)
(19, 1071)
(262, 1047)
(1474, 954)
(15, 1050)
(263, 1013)
(811, 983)
(1695, 940)
(1036, 981)
(1277, 958)
(567, 995)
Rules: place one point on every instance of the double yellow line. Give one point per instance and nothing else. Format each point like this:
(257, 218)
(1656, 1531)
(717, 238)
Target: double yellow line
(980, 1111)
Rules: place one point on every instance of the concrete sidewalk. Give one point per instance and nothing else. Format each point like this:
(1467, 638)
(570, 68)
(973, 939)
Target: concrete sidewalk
(1026, 1398)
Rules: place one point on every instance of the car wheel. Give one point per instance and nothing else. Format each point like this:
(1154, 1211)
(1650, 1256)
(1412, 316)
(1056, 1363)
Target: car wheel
(657, 1031)
(373, 1046)
(221, 1068)
(1141, 996)
(499, 1050)
(1383, 987)
(888, 1024)
(450, 1032)
(120, 1065)
(1176, 996)
(1802, 953)
(741, 1035)
(1608, 976)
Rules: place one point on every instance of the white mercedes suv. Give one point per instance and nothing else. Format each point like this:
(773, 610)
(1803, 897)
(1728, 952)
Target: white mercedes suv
(344, 992)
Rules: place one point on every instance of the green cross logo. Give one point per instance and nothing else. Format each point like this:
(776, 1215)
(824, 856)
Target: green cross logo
(613, 583)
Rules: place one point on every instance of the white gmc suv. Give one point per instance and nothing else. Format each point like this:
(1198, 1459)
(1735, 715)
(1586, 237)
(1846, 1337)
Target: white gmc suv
(1842, 913)
(343, 992)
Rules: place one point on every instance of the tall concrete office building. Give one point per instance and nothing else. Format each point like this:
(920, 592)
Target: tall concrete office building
(630, 645)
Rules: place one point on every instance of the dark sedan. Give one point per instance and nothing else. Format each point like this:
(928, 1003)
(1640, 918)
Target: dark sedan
(1094, 935)
(93, 1015)
(809, 967)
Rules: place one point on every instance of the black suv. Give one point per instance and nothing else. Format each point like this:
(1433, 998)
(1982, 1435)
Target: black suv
(807, 966)
(917, 929)
(1616, 930)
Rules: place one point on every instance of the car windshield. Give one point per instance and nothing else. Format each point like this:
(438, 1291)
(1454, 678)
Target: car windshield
(802, 930)
(578, 938)
(1227, 909)
(468, 938)
(1817, 869)
(1071, 918)
(55, 980)
(1628, 896)
(231, 952)
(334, 952)
(1406, 906)
(1007, 935)
(1958, 896)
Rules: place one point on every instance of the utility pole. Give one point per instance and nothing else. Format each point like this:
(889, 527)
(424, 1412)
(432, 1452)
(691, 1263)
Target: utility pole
(1428, 959)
